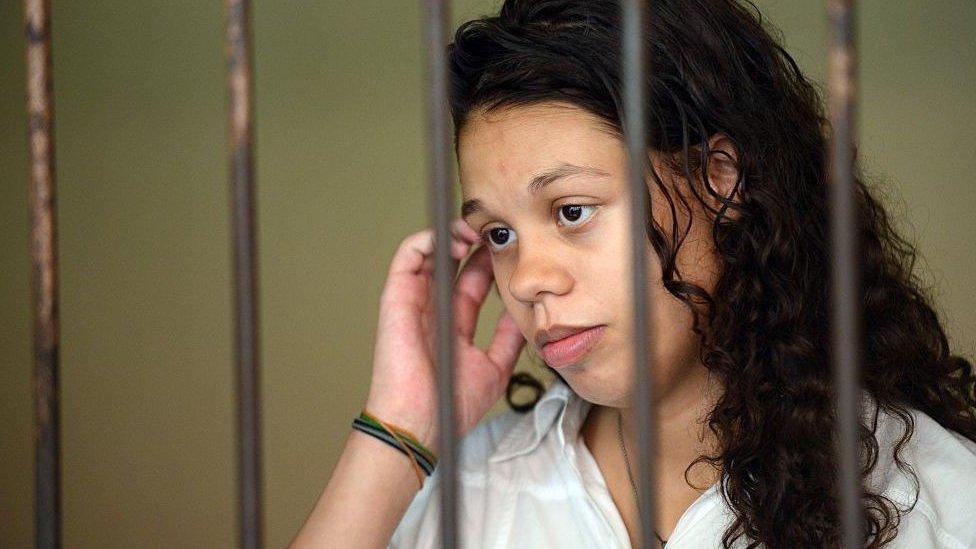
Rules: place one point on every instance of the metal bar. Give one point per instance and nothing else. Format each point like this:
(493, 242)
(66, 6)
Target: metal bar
(44, 273)
(441, 205)
(634, 69)
(241, 132)
(845, 333)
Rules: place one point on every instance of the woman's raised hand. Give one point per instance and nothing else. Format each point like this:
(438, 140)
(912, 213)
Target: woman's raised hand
(371, 486)
(403, 390)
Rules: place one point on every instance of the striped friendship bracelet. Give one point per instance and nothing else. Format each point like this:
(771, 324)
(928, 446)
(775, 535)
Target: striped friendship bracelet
(409, 437)
(381, 434)
(405, 442)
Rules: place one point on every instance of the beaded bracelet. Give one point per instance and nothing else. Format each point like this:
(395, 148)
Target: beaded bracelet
(404, 441)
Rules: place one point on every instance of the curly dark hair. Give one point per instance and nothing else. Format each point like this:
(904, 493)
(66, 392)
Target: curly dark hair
(718, 67)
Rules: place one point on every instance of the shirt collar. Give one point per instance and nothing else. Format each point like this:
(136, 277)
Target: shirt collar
(559, 407)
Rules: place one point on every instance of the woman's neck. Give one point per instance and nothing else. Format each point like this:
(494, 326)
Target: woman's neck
(681, 437)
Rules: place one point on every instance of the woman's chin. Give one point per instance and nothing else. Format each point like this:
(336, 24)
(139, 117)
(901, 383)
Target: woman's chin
(598, 382)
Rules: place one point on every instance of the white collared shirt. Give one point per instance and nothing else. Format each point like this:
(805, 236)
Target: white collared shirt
(528, 480)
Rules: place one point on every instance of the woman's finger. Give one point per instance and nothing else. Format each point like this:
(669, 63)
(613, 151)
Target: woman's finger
(416, 252)
(459, 249)
(470, 291)
(461, 230)
(409, 257)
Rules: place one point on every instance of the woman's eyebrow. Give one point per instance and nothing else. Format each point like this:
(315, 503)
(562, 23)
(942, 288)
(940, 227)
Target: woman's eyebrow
(540, 181)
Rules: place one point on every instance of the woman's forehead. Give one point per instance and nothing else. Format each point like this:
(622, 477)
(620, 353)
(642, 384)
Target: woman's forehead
(502, 125)
(518, 143)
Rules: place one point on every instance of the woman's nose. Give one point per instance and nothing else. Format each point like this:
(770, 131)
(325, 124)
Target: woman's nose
(538, 271)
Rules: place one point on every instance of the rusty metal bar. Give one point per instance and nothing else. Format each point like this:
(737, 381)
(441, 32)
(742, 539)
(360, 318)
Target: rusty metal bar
(441, 206)
(634, 60)
(845, 332)
(241, 135)
(44, 273)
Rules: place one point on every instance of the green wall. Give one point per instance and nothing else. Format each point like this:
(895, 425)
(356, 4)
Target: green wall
(147, 363)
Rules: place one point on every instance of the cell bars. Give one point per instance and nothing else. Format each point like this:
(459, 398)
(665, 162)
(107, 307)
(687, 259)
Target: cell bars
(240, 126)
(44, 273)
(635, 65)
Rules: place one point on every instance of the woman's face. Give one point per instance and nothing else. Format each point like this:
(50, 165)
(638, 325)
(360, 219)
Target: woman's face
(547, 187)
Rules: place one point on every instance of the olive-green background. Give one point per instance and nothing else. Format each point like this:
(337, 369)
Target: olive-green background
(146, 334)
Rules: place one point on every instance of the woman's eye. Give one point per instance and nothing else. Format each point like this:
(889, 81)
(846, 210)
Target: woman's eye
(575, 214)
(499, 237)
(572, 215)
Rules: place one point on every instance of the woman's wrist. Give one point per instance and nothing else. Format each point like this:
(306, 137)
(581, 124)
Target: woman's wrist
(407, 420)
(407, 443)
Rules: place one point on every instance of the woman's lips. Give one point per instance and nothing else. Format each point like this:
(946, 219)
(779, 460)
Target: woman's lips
(565, 351)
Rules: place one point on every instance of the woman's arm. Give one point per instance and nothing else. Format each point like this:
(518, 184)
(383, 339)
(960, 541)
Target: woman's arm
(373, 484)
(370, 489)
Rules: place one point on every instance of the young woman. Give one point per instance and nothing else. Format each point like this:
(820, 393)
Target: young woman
(738, 276)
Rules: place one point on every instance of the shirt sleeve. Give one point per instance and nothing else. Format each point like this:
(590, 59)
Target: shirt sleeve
(420, 526)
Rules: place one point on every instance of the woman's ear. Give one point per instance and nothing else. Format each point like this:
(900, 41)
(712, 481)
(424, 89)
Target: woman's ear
(723, 172)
